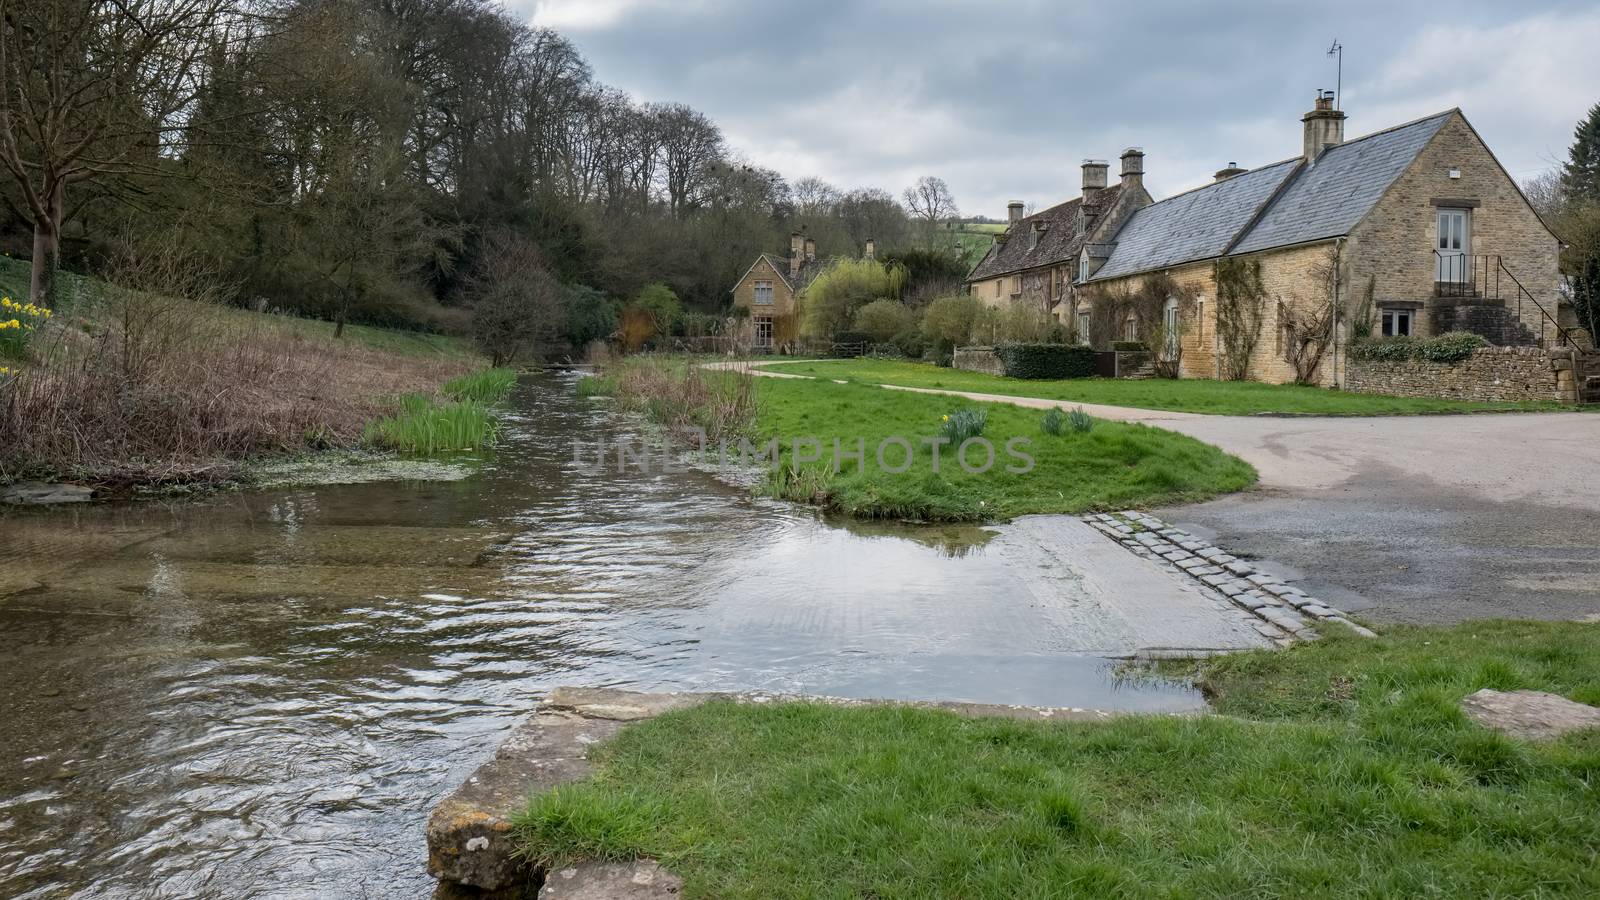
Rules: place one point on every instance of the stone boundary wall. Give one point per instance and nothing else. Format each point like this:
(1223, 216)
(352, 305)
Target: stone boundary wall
(978, 359)
(1491, 374)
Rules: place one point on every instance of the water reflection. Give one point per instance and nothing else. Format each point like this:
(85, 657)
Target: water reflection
(261, 694)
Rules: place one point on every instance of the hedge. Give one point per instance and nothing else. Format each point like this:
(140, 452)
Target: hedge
(1451, 347)
(1129, 346)
(1039, 361)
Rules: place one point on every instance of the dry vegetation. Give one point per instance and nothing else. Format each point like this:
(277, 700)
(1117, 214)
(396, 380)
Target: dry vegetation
(136, 388)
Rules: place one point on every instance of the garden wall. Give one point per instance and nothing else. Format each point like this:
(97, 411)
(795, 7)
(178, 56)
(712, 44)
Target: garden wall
(978, 359)
(1493, 374)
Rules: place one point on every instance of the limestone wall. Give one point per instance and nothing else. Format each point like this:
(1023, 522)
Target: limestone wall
(978, 359)
(1494, 374)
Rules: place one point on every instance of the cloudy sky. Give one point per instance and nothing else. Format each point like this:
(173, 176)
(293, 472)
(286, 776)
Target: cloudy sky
(1005, 98)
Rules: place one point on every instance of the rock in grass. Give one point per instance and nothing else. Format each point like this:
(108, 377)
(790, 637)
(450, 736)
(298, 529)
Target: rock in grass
(640, 879)
(1534, 715)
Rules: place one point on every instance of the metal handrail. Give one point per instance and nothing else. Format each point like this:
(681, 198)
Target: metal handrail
(1491, 267)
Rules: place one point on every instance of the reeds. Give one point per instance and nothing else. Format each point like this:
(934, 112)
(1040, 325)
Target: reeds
(422, 426)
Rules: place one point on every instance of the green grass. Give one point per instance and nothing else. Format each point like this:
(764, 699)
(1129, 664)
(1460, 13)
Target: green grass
(1346, 770)
(422, 426)
(486, 386)
(1183, 395)
(1114, 466)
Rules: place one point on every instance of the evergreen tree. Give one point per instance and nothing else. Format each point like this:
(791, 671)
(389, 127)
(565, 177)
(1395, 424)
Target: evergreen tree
(1582, 171)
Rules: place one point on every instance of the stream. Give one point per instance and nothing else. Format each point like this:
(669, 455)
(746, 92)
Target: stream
(261, 694)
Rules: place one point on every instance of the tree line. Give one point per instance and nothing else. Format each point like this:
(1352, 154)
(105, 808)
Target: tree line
(402, 162)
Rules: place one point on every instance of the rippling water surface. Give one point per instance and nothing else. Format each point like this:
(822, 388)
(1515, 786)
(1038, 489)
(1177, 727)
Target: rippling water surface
(262, 694)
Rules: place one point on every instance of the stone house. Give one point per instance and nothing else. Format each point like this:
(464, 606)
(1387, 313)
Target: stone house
(1036, 260)
(770, 288)
(1421, 217)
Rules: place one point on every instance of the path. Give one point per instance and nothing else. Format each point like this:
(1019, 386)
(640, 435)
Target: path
(1402, 518)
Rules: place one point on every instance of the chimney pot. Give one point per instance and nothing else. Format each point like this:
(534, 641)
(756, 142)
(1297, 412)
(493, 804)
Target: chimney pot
(1133, 168)
(797, 251)
(1324, 127)
(1094, 179)
(1013, 212)
(1230, 171)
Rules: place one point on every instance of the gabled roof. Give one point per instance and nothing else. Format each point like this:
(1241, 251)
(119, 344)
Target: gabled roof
(1274, 206)
(1194, 225)
(780, 265)
(1058, 245)
(1329, 198)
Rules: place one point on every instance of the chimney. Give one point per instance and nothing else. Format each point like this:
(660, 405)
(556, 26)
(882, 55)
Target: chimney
(1094, 179)
(811, 249)
(796, 253)
(1013, 212)
(1132, 167)
(872, 249)
(1231, 170)
(1324, 127)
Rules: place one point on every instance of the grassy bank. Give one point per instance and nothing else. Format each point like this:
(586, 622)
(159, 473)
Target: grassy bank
(1345, 769)
(465, 421)
(1237, 398)
(125, 389)
(1111, 466)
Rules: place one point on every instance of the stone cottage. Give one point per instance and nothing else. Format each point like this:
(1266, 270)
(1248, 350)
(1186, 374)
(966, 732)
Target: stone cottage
(1036, 260)
(1419, 219)
(768, 290)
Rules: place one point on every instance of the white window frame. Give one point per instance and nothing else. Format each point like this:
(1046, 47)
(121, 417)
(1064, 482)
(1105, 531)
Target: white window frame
(1390, 321)
(1170, 321)
(763, 331)
(1083, 328)
(1130, 329)
(763, 289)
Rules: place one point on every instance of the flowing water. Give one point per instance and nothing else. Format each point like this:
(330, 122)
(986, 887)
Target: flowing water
(262, 694)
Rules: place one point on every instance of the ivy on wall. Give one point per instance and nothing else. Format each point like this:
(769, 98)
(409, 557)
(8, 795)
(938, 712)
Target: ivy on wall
(1241, 304)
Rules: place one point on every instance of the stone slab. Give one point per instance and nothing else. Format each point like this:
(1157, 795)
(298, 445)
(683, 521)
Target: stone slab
(639, 879)
(1535, 715)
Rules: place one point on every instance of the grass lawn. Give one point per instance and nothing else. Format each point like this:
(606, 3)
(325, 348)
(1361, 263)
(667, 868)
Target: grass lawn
(1113, 466)
(1183, 395)
(1344, 768)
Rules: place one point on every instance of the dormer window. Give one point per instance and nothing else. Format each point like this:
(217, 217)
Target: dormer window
(1083, 267)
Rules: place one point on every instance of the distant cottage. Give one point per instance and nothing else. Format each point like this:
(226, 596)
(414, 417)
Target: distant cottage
(1420, 218)
(766, 294)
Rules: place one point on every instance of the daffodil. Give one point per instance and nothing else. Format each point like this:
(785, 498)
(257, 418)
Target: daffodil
(945, 419)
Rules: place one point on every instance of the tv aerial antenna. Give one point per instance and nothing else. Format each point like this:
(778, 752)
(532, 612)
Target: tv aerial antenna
(1337, 51)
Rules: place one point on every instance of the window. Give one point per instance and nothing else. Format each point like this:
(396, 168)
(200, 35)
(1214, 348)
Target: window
(763, 331)
(1200, 319)
(1169, 324)
(1016, 285)
(1397, 323)
(763, 293)
(1083, 267)
(1083, 328)
(997, 287)
(1130, 329)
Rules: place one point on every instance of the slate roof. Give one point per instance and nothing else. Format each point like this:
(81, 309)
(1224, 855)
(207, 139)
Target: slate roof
(1194, 225)
(1274, 206)
(780, 264)
(1328, 199)
(1059, 245)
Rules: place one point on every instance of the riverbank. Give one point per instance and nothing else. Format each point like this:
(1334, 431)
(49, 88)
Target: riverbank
(1345, 767)
(128, 392)
(910, 464)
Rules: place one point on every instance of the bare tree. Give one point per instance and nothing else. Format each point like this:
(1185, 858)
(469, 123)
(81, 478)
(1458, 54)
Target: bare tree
(690, 144)
(1546, 192)
(93, 89)
(930, 201)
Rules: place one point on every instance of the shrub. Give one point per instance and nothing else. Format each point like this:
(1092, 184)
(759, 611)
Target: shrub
(1054, 420)
(662, 305)
(1451, 347)
(1040, 361)
(1129, 346)
(829, 303)
(910, 343)
(589, 315)
(963, 424)
(948, 321)
(1079, 421)
(883, 319)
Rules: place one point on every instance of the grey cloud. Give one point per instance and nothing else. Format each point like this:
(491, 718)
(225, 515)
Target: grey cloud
(1003, 99)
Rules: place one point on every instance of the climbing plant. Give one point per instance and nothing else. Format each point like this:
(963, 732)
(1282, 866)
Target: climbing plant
(1241, 301)
(1306, 325)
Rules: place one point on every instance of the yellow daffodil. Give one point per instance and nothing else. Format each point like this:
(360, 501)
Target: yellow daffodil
(945, 419)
